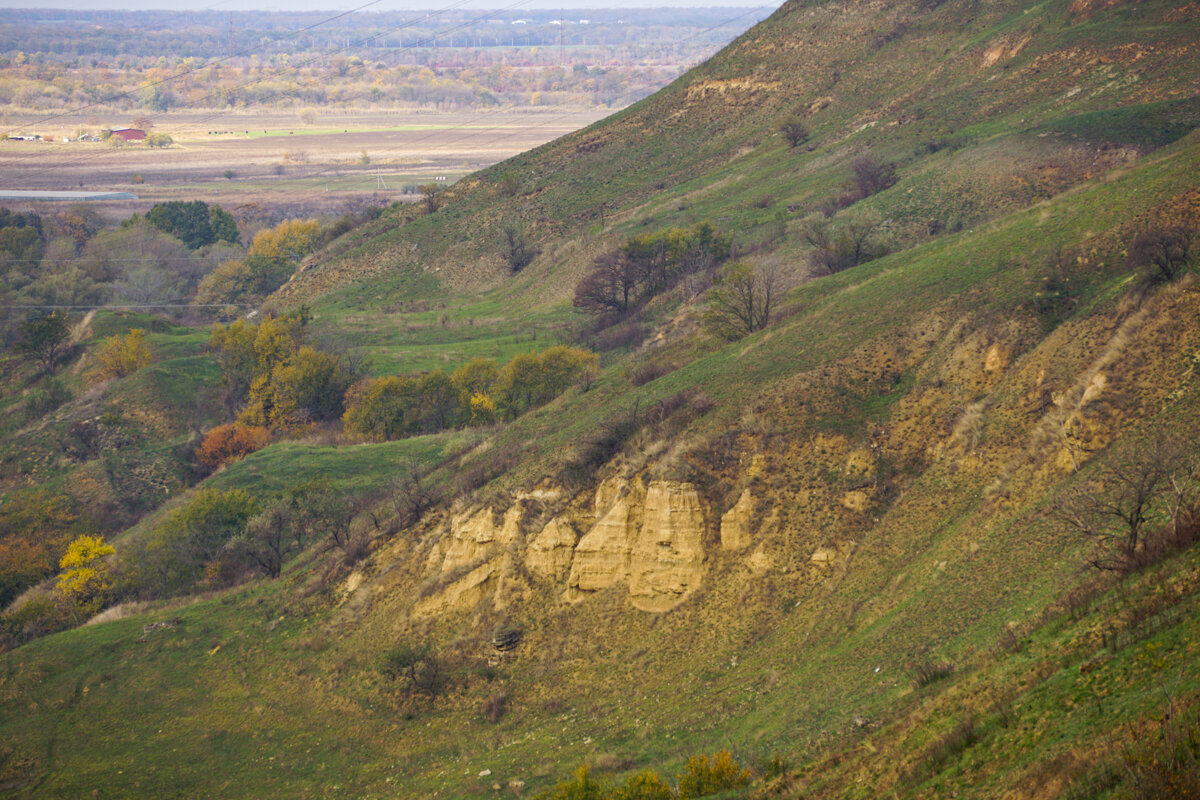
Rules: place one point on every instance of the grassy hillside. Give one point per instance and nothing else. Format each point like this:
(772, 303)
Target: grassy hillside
(848, 527)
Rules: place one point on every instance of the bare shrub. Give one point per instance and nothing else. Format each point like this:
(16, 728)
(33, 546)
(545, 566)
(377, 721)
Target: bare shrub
(872, 176)
(792, 129)
(649, 371)
(930, 672)
(1166, 763)
(741, 301)
(621, 335)
(495, 707)
(1162, 254)
(356, 549)
(1154, 486)
(608, 762)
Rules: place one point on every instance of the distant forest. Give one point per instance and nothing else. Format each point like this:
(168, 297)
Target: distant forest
(54, 59)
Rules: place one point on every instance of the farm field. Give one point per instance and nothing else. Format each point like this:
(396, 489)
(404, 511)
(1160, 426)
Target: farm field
(277, 153)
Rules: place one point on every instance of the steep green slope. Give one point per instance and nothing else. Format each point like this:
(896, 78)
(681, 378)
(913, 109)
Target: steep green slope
(765, 545)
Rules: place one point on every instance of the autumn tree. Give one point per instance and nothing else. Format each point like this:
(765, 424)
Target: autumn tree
(83, 584)
(225, 444)
(35, 527)
(741, 300)
(377, 408)
(300, 388)
(225, 285)
(123, 355)
(530, 380)
(275, 253)
(703, 775)
(476, 377)
(247, 352)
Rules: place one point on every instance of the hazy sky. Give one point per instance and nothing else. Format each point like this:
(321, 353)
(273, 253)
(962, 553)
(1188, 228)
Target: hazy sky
(385, 5)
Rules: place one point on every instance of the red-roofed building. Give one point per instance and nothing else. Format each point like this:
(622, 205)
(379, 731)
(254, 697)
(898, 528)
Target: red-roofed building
(130, 134)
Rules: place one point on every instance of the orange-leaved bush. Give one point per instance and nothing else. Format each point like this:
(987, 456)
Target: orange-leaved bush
(228, 443)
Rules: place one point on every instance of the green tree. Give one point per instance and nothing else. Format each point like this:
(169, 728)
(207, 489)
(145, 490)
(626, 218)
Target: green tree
(195, 223)
(268, 539)
(174, 558)
(45, 338)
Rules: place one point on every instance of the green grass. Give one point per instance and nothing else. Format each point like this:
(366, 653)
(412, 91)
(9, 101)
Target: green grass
(349, 468)
(272, 688)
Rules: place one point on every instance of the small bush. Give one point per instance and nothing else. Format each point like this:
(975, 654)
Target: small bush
(1163, 254)
(495, 707)
(41, 402)
(123, 355)
(1166, 764)
(872, 176)
(417, 668)
(619, 336)
(648, 371)
(703, 776)
(930, 672)
(225, 444)
(962, 736)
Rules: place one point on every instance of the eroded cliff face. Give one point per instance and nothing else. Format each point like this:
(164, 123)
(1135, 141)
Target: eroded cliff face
(651, 538)
(987, 413)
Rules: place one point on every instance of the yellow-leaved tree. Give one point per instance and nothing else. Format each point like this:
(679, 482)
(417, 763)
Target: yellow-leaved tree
(123, 355)
(83, 584)
(276, 252)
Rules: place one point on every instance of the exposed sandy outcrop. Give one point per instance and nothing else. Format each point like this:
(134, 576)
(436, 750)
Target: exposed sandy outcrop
(667, 560)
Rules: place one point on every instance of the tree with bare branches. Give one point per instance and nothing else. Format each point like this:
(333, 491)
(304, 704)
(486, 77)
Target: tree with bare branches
(741, 300)
(1153, 488)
